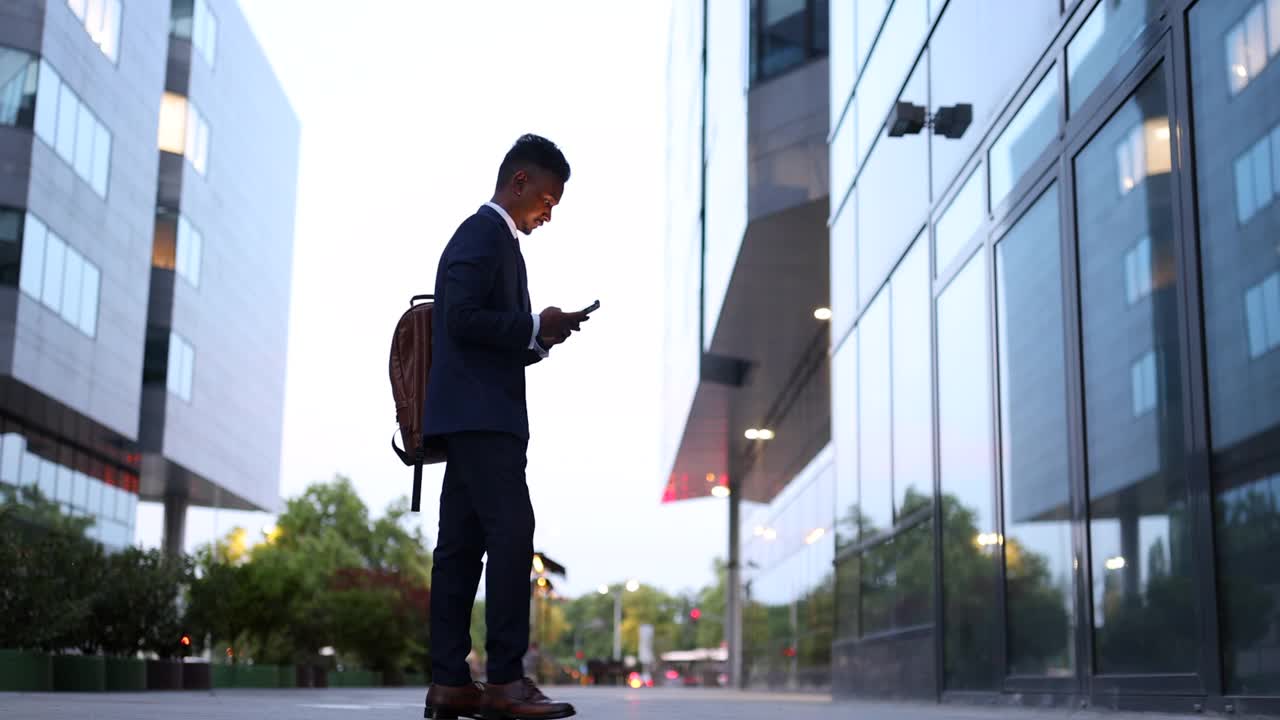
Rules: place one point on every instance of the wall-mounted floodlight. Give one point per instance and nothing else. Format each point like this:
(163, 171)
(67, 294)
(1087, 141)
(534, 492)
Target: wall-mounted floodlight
(950, 121)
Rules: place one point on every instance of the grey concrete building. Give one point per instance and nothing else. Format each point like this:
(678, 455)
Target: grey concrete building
(147, 176)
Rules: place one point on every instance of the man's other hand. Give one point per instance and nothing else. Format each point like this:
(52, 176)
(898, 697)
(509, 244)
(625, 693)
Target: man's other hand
(556, 324)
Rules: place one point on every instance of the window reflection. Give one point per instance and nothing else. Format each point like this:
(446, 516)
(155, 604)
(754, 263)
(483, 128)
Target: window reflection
(844, 436)
(1235, 129)
(1027, 135)
(1033, 436)
(101, 20)
(785, 34)
(1100, 42)
(1143, 613)
(976, 48)
(68, 126)
(959, 221)
(18, 74)
(912, 383)
(1251, 43)
(789, 597)
(58, 276)
(874, 418)
(893, 195)
(969, 533)
(844, 269)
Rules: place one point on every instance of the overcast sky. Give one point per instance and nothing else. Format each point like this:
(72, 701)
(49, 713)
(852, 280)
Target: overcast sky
(407, 108)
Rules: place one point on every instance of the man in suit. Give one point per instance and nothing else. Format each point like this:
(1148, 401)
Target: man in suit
(484, 336)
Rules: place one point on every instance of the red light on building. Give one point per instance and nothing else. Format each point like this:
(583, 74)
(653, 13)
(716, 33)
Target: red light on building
(789, 652)
(695, 614)
(186, 641)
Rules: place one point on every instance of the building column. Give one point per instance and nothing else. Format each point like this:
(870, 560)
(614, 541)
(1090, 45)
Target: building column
(175, 524)
(733, 597)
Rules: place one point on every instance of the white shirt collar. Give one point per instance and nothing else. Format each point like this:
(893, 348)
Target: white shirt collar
(511, 224)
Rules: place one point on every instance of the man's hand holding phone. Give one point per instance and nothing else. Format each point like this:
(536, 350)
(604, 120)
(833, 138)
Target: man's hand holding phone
(556, 325)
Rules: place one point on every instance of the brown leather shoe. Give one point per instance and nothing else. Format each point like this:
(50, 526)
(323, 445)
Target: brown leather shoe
(522, 700)
(449, 703)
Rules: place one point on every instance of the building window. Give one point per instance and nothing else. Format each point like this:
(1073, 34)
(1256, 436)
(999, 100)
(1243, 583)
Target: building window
(183, 130)
(1142, 381)
(10, 246)
(181, 366)
(193, 20)
(190, 246)
(86, 486)
(18, 76)
(59, 277)
(1262, 315)
(1257, 173)
(1251, 43)
(786, 34)
(68, 126)
(1137, 270)
(1144, 151)
(101, 20)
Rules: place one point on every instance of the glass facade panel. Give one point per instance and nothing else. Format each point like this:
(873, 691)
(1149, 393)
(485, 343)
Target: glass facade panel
(31, 274)
(1025, 138)
(1237, 148)
(1101, 41)
(783, 38)
(54, 267)
(879, 588)
(912, 383)
(974, 46)
(1144, 614)
(1038, 553)
(959, 221)
(893, 199)
(71, 285)
(965, 440)
(844, 435)
(18, 75)
(844, 269)
(848, 586)
(842, 62)
(875, 422)
(46, 124)
(870, 18)
(10, 246)
(883, 74)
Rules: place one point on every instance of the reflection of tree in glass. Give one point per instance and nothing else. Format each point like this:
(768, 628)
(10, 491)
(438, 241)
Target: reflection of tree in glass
(1248, 536)
(1039, 623)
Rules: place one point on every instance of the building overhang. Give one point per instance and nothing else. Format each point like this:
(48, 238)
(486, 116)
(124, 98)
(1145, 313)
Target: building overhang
(766, 367)
(162, 477)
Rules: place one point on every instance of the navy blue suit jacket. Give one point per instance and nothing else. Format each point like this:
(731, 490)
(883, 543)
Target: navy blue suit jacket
(482, 324)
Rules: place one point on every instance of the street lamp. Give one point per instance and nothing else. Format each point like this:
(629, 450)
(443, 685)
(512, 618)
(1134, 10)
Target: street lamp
(632, 586)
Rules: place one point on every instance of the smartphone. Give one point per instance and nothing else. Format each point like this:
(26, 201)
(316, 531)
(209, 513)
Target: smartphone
(591, 308)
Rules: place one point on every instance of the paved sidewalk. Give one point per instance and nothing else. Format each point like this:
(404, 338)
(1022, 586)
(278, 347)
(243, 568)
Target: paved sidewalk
(592, 703)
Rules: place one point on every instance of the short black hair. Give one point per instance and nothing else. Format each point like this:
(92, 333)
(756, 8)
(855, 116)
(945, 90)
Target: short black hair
(533, 150)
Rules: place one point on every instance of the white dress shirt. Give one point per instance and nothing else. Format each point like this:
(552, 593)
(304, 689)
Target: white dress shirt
(537, 320)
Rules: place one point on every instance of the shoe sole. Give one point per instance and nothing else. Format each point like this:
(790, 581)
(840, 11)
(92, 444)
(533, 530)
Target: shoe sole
(508, 716)
(444, 714)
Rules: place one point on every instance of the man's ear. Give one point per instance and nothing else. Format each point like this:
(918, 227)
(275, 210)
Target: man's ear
(519, 180)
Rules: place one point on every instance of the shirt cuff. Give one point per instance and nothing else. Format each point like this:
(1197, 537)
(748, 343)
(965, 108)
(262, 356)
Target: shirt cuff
(533, 340)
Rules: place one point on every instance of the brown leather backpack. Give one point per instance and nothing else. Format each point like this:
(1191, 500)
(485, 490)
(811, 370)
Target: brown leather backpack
(410, 367)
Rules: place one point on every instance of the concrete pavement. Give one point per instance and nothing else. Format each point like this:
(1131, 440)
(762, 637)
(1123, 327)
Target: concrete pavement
(592, 703)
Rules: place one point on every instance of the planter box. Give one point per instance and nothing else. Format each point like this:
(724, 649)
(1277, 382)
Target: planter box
(125, 674)
(287, 677)
(197, 676)
(304, 676)
(164, 675)
(22, 671)
(222, 675)
(319, 676)
(79, 673)
(257, 676)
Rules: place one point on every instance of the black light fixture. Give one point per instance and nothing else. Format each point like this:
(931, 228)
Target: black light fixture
(950, 122)
(906, 119)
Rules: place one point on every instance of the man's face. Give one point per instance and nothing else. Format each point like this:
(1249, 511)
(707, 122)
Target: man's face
(538, 191)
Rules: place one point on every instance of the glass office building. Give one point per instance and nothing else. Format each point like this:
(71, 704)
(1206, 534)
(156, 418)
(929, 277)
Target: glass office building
(1054, 292)
(134, 225)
